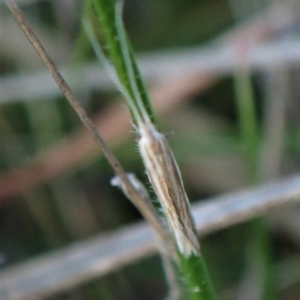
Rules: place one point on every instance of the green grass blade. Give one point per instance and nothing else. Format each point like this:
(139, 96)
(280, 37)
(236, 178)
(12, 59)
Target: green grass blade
(121, 54)
(250, 139)
(135, 115)
(247, 121)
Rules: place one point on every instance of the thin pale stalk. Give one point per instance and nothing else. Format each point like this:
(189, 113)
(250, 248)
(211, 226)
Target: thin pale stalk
(122, 59)
(149, 215)
(102, 58)
(128, 63)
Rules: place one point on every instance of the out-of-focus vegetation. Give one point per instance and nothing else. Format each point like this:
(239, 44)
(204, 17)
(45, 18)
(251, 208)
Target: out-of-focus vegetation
(40, 213)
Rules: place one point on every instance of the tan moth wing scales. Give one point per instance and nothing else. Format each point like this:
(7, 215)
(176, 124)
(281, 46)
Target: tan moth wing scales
(168, 186)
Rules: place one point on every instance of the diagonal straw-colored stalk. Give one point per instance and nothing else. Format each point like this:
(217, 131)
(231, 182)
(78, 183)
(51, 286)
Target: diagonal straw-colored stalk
(147, 211)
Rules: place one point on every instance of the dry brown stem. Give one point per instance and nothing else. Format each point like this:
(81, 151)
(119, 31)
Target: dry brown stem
(146, 210)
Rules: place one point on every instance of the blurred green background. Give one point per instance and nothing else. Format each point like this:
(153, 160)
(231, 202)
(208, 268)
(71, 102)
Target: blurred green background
(243, 129)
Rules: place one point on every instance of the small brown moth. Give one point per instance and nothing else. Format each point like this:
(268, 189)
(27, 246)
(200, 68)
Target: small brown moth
(166, 180)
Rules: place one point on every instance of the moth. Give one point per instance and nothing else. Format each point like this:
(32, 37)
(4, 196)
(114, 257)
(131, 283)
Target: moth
(165, 178)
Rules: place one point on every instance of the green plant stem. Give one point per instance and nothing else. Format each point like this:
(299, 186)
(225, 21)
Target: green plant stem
(247, 121)
(263, 254)
(250, 142)
(106, 12)
(196, 277)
